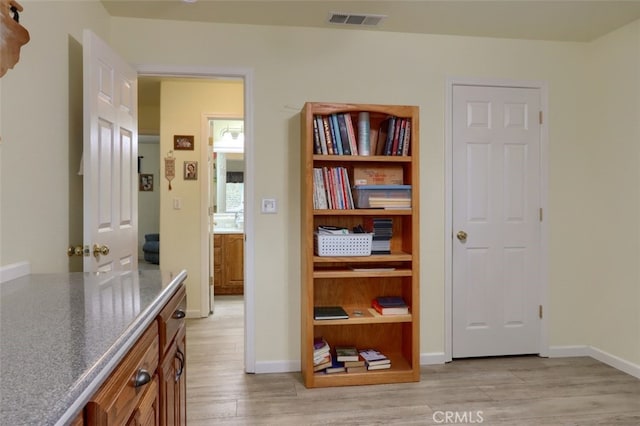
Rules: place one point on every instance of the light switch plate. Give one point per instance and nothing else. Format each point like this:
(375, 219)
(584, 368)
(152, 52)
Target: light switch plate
(269, 205)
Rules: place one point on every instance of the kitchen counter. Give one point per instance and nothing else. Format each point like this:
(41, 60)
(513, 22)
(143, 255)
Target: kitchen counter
(228, 231)
(61, 335)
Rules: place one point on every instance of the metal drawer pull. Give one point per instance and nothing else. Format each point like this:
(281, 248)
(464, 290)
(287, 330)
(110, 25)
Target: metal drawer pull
(179, 314)
(180, 357)
(142, 378)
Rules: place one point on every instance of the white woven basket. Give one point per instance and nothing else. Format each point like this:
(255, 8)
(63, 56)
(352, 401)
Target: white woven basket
(343, 245)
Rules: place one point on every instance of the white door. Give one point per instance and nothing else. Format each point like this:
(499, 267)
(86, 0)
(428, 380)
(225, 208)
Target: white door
(496, 221)
(110, 153)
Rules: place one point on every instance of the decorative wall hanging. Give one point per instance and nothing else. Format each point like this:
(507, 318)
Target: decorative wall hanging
(190, 170)
(12, 35)
(146, 182)
(170, 168)
(183, 142)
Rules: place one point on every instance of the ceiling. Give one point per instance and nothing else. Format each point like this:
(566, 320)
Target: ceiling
(573, 20)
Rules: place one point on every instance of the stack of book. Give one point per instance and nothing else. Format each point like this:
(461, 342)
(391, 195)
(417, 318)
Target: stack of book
(390, 305)
(321, 354)
(331, 188)
(351, 359)
(394, 137)
(334, 134)
(382, 229)
(375, 360)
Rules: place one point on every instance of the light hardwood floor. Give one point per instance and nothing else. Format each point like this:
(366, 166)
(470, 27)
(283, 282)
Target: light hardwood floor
(522, 391)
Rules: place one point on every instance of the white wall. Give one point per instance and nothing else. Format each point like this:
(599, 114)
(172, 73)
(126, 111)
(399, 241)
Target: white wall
(41, 130)
(183, 107)
(41, 205)
(613, 203)
(293, 65)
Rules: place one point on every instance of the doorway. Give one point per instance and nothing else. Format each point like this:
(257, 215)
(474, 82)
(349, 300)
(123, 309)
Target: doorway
(496, 238)
(246, 77)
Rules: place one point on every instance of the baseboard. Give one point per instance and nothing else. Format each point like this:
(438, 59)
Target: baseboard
(595, 353)
(568, 351)
(14, 270)
(193, 313)
(433, 358)
(277, 367)
(615, 362)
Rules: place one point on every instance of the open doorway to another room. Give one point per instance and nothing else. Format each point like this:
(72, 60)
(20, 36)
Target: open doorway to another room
(210, 109)
(226, 206)
(148, 202)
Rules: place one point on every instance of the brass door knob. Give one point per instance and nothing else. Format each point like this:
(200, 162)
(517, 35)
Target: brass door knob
(462, 236)
(100, 250)
(74, 251)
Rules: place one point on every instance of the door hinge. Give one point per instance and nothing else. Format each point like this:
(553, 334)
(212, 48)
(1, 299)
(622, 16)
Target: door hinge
(540, 311)
(540, 214)
(540, 117)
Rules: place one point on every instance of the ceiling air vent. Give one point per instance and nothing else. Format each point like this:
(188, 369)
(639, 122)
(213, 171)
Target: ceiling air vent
(355, 19)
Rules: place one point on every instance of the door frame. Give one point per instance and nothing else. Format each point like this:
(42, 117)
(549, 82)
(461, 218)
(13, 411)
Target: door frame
(246, 74)
(448, 228)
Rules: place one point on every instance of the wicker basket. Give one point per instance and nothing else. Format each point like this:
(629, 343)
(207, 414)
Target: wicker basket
(342, 245)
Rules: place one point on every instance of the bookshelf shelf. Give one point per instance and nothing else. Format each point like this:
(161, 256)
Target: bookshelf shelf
(363, 158)
(374, 258)
(347, 273)
(352, 282)
(364, 212)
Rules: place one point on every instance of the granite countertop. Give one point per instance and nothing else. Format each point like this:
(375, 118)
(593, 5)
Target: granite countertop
(61, 335)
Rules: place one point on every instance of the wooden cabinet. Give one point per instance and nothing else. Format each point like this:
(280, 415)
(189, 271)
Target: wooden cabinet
(228, 263)
(130, 394)
(148, 388)
(352, 282)
(172, 369)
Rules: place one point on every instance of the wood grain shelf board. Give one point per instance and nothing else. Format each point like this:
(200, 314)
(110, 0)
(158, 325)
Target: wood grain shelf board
(369, 316)
(374, 258)
(363, 212)
(347, 273)
(360, 158)
(400, 371)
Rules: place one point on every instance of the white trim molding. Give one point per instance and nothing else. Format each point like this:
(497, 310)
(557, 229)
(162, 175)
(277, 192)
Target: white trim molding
(246, 74)
(14, 270)
(598, 354)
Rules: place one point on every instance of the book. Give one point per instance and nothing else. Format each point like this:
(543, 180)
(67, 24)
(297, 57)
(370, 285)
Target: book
(374, 357)
(344, 134)
(321, 135)
(390, 301)
(327, 136)
(378, 366)
(335, 367)
(356, 369)
(352, 133)
(329, 313)
(335, 133)
(317, 148)
(396, 310)
(320, 346)
(359, 363)
(346, 353)
(322, 366)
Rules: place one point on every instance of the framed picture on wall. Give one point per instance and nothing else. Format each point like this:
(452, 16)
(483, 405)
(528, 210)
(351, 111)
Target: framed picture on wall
(190, 170)
(145, 182)
(183, 142)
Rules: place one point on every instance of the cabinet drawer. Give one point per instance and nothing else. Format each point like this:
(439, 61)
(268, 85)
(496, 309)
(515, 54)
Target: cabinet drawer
(171, 318)
(118, 397)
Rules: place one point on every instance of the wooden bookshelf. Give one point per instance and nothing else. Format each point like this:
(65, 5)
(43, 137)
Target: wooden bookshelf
(354, 281)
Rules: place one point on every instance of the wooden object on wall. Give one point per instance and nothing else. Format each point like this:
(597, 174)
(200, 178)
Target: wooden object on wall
(12, 35)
